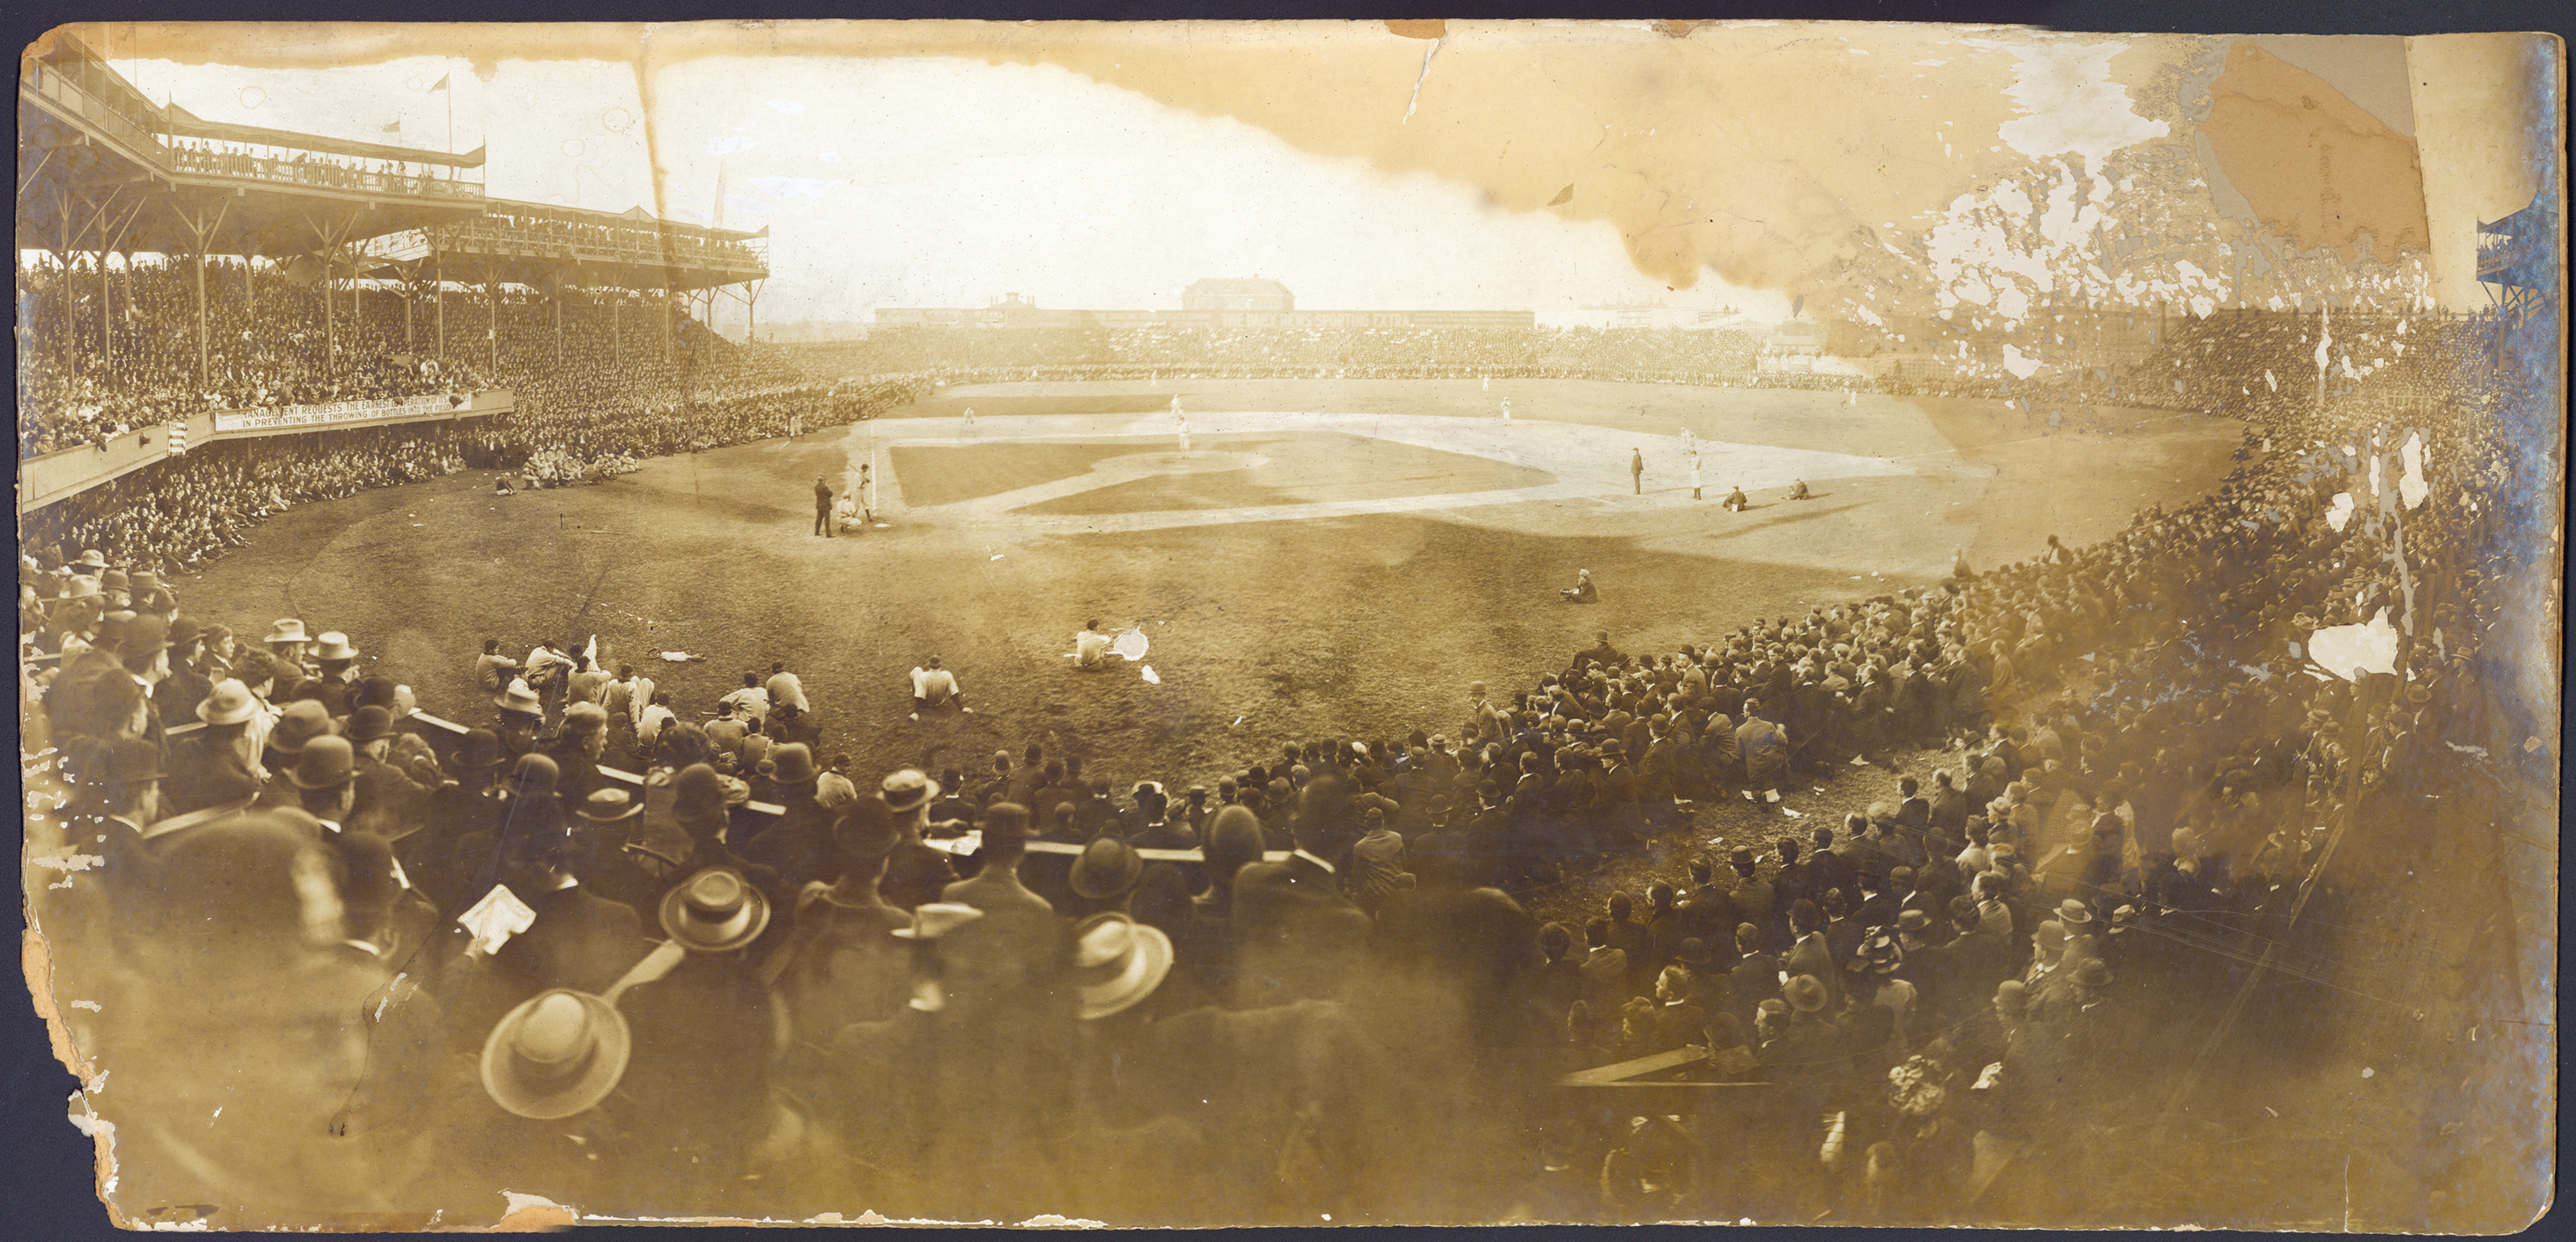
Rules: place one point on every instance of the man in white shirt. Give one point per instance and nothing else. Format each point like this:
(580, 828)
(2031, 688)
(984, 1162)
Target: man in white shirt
(752, 701)
(544, 665)
(934, 686)
(786, 689)
(639, 695)
(1090, 647)
(649, 723)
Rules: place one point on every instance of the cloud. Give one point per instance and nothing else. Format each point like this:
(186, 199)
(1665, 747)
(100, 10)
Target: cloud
(791, 187)
(738, 202)
(728, 146)
(788, 106)
(829, 157)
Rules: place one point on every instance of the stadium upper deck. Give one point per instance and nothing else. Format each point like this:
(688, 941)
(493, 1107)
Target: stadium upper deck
(102, 169)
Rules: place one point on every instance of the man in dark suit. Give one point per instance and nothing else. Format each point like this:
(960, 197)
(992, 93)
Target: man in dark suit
(1708, 914)
(1756, 900)
(1949, 805)
(603, 828)
(1827, 869)
(1811, 955)
(1292, 925)
(392, 792)
(1877, 907)
(1631, 938)
(468, 806)
(1754, 979)
(580, 940)
(178, 695)
(1622, 817)
(1795, 880)
(799, 845)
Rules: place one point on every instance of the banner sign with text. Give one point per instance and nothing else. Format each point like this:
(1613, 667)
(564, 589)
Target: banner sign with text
(334, 412)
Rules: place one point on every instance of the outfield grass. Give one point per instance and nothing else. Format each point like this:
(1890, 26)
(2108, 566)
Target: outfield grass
(1366, 625)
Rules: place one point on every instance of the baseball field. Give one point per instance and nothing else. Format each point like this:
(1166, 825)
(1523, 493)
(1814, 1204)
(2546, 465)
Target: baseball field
(1327, 558)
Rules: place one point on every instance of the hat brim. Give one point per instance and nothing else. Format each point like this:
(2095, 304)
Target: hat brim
(1148, 963)
(247, 710)
(293, 746)
(929, 792)
(737, 930)
(632, 810)
(613, 1047)
(1124, 879)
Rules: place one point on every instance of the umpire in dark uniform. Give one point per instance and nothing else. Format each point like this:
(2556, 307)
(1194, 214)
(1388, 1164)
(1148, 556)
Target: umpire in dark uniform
(822, 507)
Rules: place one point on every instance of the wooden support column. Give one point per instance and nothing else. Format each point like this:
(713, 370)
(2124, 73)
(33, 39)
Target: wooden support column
(201, 226)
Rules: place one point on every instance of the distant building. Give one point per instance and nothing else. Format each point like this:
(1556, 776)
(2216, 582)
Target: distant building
(1792, 347)
(1224, 294)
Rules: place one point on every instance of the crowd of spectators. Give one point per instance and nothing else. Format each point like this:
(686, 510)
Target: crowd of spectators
(236, 159)
(1297, 987)
(175, 516)
(591, 403)
(631, 239)
(97, 377)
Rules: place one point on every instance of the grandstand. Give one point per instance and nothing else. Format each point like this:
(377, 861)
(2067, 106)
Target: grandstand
(105, 172)
(1906, 890)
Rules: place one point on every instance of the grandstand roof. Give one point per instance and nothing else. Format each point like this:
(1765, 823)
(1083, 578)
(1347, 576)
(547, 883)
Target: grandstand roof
(101, 165)
(96, 165)
(183, 123)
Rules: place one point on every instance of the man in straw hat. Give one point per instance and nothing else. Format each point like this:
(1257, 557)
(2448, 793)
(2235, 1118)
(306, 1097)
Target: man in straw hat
(217, 764)
(1117, 963)
(334, 660)
(706, 1035)
(521, 715)
(286, 640)
(915, 872)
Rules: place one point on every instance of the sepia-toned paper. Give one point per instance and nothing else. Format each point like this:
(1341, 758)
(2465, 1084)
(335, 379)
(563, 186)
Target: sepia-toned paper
(1856, 177)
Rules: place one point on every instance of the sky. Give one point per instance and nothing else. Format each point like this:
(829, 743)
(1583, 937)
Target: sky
(890, 182)
(1524, 166)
